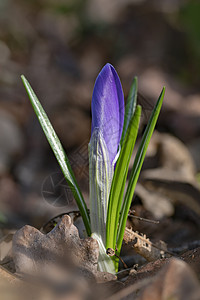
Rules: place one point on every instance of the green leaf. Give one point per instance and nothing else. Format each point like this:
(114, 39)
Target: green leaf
(119, 180)
(136, 169)
(59, 153)
(130, 107)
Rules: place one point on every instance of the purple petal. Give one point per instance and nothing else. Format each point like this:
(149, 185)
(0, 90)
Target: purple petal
(108, 108)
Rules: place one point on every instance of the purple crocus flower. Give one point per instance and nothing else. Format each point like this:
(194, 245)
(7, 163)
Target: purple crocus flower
(107, 125)
(108, 109)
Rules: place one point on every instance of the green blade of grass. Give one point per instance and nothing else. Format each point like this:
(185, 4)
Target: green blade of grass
(119, 180)
(136, 169)
(59, 153)
(130, 108)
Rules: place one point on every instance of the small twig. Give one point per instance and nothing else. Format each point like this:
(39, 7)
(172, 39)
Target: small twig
(143, 219)
(124, 271)
(111, 252)
(132, 215)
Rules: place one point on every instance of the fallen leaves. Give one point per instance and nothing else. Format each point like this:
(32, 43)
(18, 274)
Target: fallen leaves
(58, 256)
(173, 279)
(168, 178)
(60, 265)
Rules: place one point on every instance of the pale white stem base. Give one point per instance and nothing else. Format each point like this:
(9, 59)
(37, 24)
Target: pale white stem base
(105, 262)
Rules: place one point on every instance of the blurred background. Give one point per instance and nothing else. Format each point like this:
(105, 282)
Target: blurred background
(60, 46)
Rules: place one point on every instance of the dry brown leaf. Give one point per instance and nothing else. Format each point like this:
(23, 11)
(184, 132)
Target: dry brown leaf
(143, 246)
(173, 155)
(14, 288)
(156, 203)
(58, 257)
(175, 281)
(182, 192)
(168, 177)
(5, 247)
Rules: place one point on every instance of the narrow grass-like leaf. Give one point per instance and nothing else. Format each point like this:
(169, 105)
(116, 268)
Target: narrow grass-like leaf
(119, 179)
(130, 108)
(59, 153)
(137, 168)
